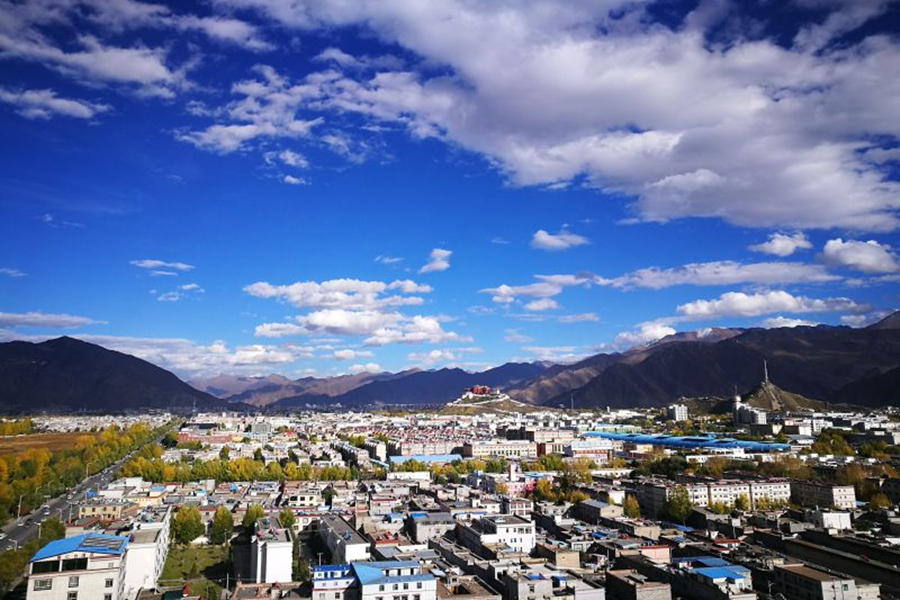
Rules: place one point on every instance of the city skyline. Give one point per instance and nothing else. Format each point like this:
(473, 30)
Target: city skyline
(263, 187)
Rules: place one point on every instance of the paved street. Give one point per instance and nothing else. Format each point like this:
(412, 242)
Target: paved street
(59, 507)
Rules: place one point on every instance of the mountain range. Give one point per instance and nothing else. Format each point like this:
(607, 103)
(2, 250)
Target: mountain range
(66, 374)
(834, 364)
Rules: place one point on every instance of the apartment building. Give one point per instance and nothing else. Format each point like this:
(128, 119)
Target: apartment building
(500, 449)
(342, 540)
(498, 530)
(148, 547)
(85, 567)
(810, 493)
(801, 581)
(677, 412)
(271, 553)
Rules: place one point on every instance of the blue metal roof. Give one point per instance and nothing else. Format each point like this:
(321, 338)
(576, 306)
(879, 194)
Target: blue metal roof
(96, 543)
(731, 572)
(659, 439)
(706, 561)
(331, 568)
(373, 572)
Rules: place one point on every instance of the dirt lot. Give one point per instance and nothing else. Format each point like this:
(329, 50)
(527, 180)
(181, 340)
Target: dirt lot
(14, 444)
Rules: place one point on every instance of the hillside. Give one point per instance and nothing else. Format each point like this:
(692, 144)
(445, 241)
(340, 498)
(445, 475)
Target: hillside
(223, 385)
(422, 387)
(877, 390)
(306, 389)
(68, 374)
(770, 397)
(811, 362)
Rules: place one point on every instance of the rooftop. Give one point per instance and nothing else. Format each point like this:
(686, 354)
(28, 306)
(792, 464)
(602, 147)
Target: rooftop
(95, 543)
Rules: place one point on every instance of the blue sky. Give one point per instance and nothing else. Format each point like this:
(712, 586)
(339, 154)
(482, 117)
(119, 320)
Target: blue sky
(258, 186)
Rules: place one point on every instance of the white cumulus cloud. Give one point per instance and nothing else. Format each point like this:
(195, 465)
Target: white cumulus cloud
(740, 304)
(783, 244)
(557, 241)
(868, 257)
(438, 260)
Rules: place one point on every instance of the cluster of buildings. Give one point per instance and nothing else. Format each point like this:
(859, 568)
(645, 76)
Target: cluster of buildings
(95, 422)
(392, 532)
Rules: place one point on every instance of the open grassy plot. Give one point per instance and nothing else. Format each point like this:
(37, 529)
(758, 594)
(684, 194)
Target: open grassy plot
(202, 566)
(13, 444)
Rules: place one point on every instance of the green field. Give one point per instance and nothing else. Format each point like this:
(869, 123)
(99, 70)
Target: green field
(205, 567)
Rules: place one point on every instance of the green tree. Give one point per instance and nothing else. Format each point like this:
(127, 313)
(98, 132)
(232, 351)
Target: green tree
(187, 525)
(286, 518)
(678, 506)
(222, 526)
(224, 453)
(254, 513)
(631, 507)
(328, 495)
(51, 529)
(742, 503)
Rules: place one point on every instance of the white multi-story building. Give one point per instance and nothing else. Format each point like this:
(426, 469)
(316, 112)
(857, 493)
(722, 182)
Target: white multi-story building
(333, 582)
(677, 412)
(394, 580)
(496, 449)
(342, 540)
(365, 580)
(84, 567)
(824, 495)
(745, 414)
(653, 494)
(148, 547)
(498, 530)
(271, 553)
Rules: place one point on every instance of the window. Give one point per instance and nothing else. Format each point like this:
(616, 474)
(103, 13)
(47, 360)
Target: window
(72, 596)
(418, 586)
(337, 596)
(381, 588)
(107, 596)
(109, 583)
(41, 585)
(73, 581)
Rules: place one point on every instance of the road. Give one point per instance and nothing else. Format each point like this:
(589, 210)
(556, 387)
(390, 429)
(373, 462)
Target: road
(59, 507)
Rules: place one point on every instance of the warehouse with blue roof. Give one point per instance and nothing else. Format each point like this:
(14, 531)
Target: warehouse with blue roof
(693, 442)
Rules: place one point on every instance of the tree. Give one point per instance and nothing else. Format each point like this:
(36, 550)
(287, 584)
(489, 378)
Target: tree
(51, 529)
(501, 488)
(286, 518)
(254, 513)
(631, 507)
(879, 501)
(832, 441)
(224, 453)
(187, 525)
(222, 526)
(742, 503)
(678, 507)
(328, 495)
(544, 492)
